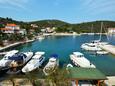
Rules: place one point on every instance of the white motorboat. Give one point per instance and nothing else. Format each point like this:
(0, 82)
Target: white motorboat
(51, 65)
(34, 63)
(102, 52)
(5, 60)
(18, 61)
(79, 60)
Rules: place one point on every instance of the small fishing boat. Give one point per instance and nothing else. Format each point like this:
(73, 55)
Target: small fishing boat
(90, 47)
(18, 61)
(79, 60)
(5, 61)
(102, 52)
(69, 65)
(41, 37)
(51, 65)
(34, 63)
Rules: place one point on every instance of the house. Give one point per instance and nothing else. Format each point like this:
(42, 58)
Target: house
(111, 30)
(13, 28)
(34, 25)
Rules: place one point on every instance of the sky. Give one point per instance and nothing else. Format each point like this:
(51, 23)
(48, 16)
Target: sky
(72, 11)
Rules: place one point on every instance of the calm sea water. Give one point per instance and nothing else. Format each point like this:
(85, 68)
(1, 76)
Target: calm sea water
(65, 45)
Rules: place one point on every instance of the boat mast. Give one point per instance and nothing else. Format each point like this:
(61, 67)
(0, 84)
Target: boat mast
(101, 31)
(92, 28)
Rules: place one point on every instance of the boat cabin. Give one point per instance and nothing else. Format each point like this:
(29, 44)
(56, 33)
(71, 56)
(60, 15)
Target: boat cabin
(17, 60)
(78, 54)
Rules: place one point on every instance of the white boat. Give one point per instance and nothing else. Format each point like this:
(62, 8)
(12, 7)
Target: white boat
(94, 45)
(40, 38)
(51, 65)
(34, 63)
(18, 61)
(90, 47)
(102, 52)
(69, 65)
(5, 60)
(79, 60)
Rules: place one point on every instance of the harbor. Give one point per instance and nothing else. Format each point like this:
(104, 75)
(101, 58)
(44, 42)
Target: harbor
(61, 42)
(57, 43)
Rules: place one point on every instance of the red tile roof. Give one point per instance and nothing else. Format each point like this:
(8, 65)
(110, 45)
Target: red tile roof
(11, 25)
(5, 29)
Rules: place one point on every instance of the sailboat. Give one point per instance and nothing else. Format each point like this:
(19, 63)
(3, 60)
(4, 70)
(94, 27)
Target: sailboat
(94, 45)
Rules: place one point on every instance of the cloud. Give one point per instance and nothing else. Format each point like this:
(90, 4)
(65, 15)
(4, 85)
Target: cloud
(87, 2)
(15, 3)
(97, 7)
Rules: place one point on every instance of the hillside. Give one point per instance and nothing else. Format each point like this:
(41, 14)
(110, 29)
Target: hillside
(61, 25)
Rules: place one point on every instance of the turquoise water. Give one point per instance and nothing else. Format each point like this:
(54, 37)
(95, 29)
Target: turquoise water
(65, 45)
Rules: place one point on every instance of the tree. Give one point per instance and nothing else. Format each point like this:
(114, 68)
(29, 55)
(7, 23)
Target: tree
(58, 78)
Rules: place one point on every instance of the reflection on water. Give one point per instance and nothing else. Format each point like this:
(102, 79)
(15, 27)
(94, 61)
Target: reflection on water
(65, 45)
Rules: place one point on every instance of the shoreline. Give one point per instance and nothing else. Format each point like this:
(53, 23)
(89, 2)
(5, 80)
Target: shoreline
(56, 34)
(77, 34)
(14, 44)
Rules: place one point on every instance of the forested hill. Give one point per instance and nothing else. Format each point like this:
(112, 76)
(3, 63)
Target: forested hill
(61, 25)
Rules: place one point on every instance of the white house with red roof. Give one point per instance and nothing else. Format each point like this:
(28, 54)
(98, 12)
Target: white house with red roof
(13, 28)
(111, 30)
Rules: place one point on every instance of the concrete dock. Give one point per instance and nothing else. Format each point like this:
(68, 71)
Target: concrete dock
(15, 44)
(109, 48)
(110, 81)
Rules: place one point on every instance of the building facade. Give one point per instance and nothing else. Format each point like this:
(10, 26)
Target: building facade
(13, 28)
(111, 30)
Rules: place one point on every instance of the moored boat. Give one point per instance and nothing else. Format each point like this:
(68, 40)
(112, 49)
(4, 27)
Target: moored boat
(94, 45)
(79, 60)
(102, 52)
(18, 61)
(51, 65)
(5, 61)
(34, 63)
(90, 47)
